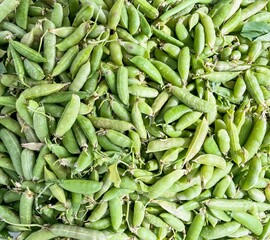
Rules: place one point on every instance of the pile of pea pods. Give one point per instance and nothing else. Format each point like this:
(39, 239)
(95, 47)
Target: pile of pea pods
(126, 120)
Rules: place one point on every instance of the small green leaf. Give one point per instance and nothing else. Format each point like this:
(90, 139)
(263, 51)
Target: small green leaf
(254, 30)
(114, 175)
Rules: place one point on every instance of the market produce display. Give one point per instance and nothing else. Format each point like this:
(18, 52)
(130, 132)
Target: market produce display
(128, 120)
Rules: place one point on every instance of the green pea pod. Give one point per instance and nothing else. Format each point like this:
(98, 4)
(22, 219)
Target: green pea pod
(80, 186)
(191, 100)
(256, 137)
(165, 183)
(147, 9)
(14, 149)
(66, 61)
(147, 67)
(27, 52)
(167, 73)
(122, 84)
(66, 121)
(249, 221)
(7, 7)
(198, 139)
(84, 14)
(74, 38)
(114, 14)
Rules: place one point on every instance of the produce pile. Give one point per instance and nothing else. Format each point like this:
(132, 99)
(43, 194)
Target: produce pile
(135, 119)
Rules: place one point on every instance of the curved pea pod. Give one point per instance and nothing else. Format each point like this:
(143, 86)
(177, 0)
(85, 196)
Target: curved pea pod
(4, 178)
(249, 221)
(174, 209)
(68, 117)
(220, 77)
(137, 120)
(218, 174)
(187, 120)
(116, 193)
(26, 206)
(221, 14)
(175, 113)
(191, 100)
(57, 168)
(231, 23)
(223, 140)
(82, 186)
(256, 195)
(74, 38)
(209, 28)
(235, 148)
(182, 33)
(210, 146)
(117, 125)
(28, 160)
(255, 167)
(198, 139)
(220, 230)
(56, 191)
(199, 39)
(27, 52)
(122, 84)
(88, 129)
(8, 215)
(115, 14)
(144, 107)
(65, 61)
(146, 8)
(118, 138)
(266, 231)
(21, 15)
(256, 136)
(172, 50)
(41, 234)
(133, 48)
(235, 205)
(146, 66)
(81, 57)
(253, 87)
(196, 227)
(81, 77)
(40, 124)
(101, 224)
(49, 47)
(170, 155)
(83, 15)
(13, 147)
(221, 187)
(165, 144)
(133, 19)
(165, 37)
(7, 7)
(173, 222)
(165, 183)
(69, 231)
(138, 213)
(179, 7)
(168, 73)
(116, 212)
(211, 160)
(115, 50)
(141, 91)
(190, 193)
(12, 125)
(184, 64)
